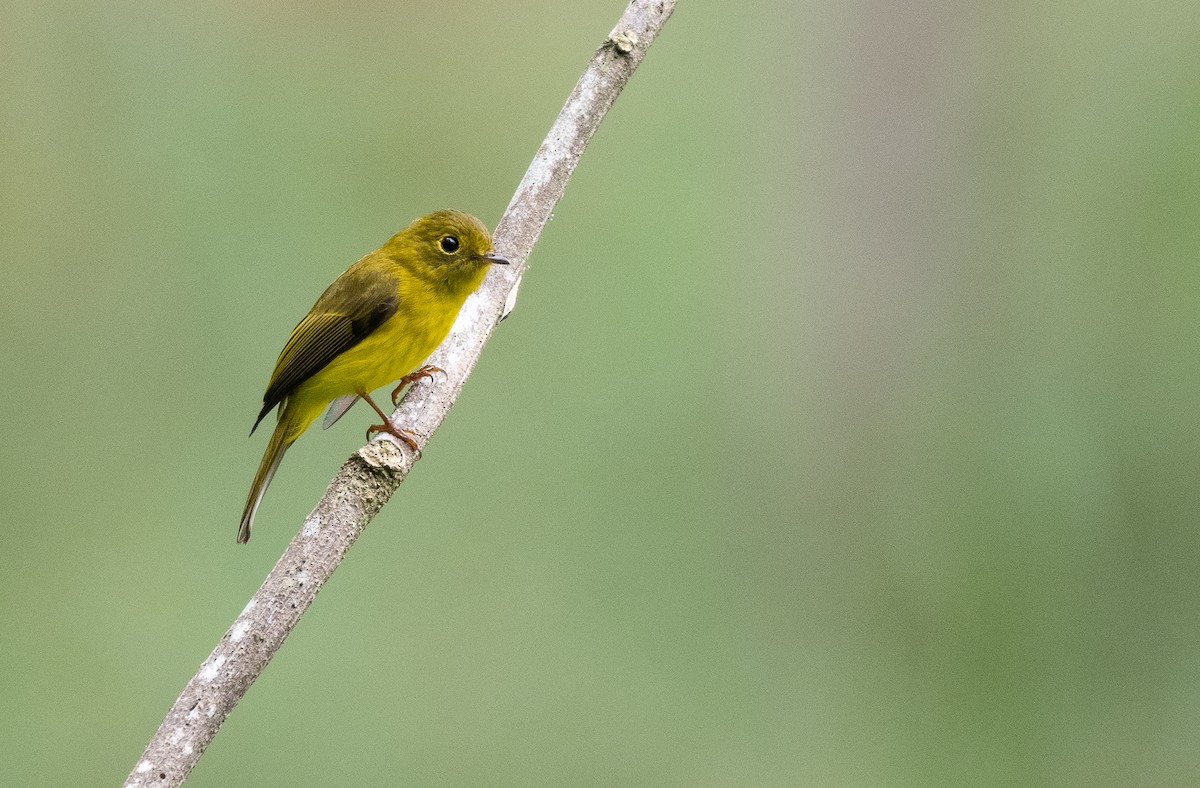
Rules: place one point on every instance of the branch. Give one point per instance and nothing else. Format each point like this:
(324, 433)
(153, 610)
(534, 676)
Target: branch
(367, 480)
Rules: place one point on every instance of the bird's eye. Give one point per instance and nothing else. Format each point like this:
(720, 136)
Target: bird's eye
(449, 244)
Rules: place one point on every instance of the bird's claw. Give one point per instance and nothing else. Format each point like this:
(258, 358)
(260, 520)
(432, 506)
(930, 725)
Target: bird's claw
(407, 437)
(426, 371)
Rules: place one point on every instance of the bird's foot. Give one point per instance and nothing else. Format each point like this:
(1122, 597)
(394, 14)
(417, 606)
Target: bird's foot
(412, 377)
(407, 437)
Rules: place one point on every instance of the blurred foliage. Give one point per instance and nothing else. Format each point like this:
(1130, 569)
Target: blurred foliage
(844, 434)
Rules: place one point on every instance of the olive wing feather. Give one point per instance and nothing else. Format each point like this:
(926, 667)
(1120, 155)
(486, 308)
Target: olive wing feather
(357, 303)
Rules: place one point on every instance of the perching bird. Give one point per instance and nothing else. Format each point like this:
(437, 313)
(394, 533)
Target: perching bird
(371, 327)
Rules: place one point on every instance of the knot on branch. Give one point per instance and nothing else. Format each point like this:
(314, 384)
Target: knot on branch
(623, 42)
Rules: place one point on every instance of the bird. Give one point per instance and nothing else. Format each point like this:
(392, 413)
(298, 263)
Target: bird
(377, 321)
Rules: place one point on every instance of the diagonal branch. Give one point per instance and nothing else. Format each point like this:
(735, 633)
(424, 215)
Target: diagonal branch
(367, 480)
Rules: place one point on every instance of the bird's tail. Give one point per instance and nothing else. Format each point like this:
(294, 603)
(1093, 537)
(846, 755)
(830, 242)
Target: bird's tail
(276, 447)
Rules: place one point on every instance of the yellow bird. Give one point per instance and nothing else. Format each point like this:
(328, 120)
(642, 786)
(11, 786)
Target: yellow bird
(372, 326)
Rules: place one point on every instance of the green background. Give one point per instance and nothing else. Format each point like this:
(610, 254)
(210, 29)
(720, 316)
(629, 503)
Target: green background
(845, 432)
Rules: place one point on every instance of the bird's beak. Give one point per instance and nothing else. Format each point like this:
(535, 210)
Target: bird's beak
(495, 258)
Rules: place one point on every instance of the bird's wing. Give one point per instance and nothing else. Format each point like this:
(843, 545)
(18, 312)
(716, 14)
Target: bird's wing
(357, 303)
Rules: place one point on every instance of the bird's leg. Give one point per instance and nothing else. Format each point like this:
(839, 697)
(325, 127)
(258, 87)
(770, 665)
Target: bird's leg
(407, 437)
(412, 377)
